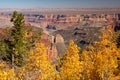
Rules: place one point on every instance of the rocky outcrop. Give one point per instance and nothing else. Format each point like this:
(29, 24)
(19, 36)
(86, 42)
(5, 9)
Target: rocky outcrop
(59, 41)
(56, 46)
(51, 47)
(52, 52)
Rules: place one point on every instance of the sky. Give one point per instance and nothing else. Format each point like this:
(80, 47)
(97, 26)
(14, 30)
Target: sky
(59, 3)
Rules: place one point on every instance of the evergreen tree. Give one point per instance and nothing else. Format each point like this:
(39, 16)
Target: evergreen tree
(14, 47)
(17, 34)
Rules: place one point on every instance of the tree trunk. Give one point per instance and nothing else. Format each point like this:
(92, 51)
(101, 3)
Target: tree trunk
(13, 61)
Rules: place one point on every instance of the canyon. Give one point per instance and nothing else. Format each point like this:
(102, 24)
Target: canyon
(58, 25)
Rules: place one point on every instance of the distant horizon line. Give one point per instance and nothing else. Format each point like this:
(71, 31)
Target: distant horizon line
(64, 8)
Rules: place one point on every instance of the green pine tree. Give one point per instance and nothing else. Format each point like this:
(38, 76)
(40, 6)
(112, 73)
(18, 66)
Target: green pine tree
(14, 47)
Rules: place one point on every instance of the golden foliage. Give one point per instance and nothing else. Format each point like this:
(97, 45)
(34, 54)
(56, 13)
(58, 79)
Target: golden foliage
(100, 60)
(38, 66)
(72, 66)
(6, 73)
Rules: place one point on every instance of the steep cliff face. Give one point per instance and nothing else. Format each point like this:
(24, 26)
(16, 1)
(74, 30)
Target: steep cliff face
(59, 39)
(51, 47)
(52, 52)
(56, 46)
(60, 45)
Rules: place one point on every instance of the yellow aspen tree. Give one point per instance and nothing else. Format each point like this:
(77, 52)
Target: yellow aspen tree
(71, 67)
(89, 72)
(6, 73)
(38, 66)
(100, 61)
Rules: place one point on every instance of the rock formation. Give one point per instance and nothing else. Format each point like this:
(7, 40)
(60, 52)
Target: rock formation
(59, 41)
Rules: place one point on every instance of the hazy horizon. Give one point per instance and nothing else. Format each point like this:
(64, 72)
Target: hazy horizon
(59, 4)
